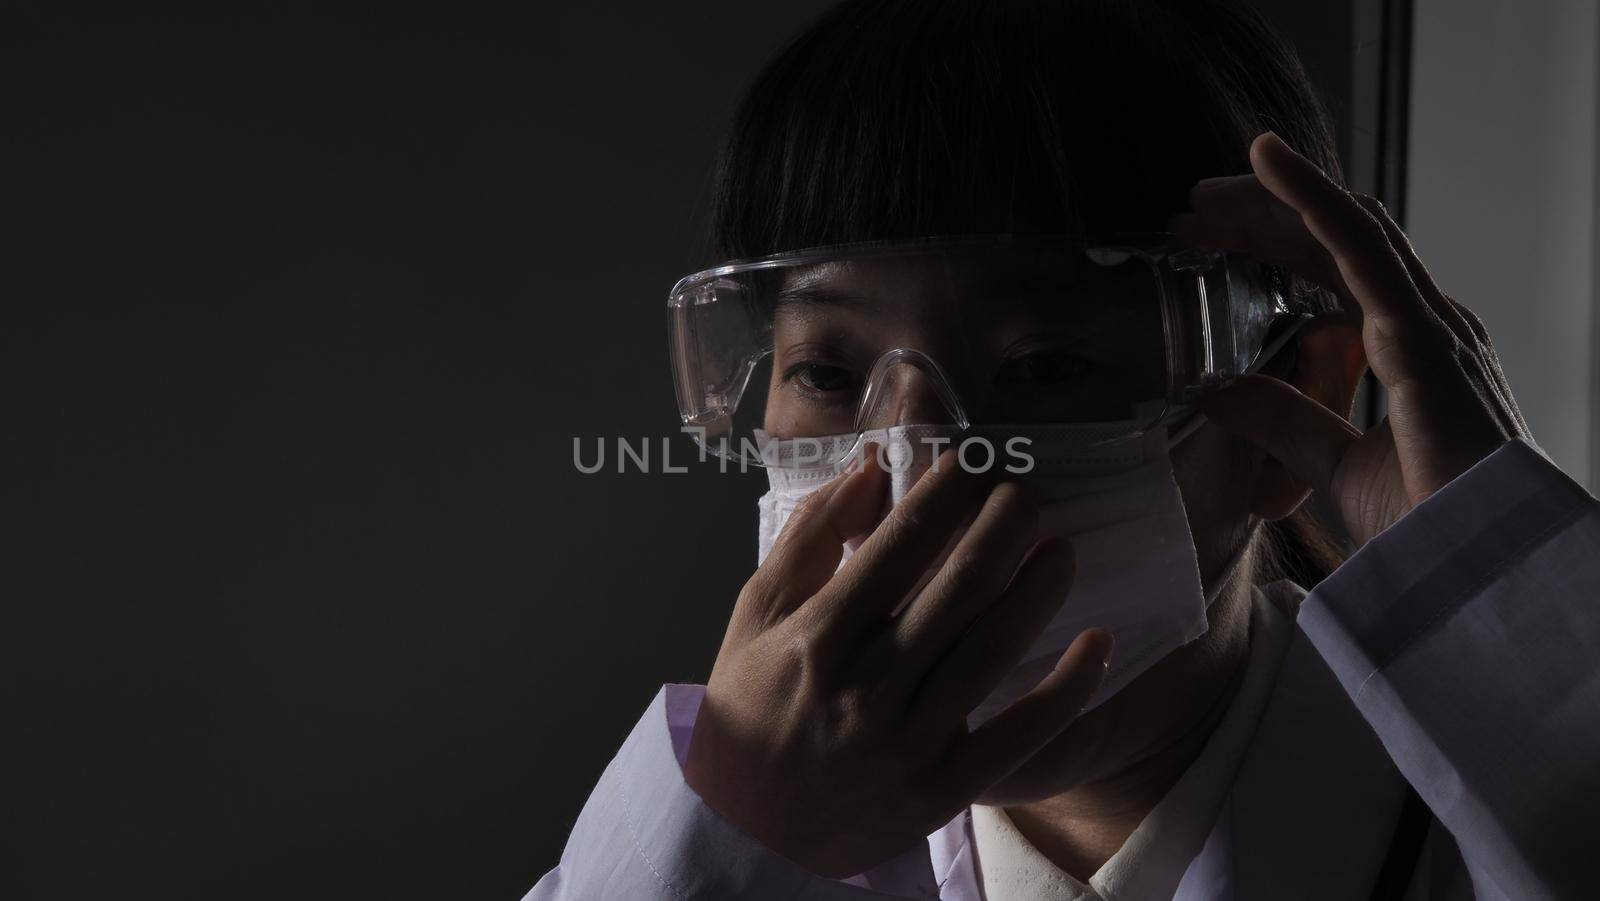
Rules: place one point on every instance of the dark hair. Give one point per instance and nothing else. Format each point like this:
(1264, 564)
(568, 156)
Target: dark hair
(906, 118)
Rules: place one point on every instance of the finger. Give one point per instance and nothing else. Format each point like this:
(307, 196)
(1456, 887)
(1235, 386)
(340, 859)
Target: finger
(890, 563)
(1238, 213)
(1307, 438)
(972, 577)
(1420, 277)
(996, 641)
(807, 551)
(999, 746)
(1474, 323)
(1376, 277)
(1484, 362)
(1517, 425)
(1466, 326)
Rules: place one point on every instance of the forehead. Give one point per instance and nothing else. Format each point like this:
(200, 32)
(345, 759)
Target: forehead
(943, 275)
(990, 286)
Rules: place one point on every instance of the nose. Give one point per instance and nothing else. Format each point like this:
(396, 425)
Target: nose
(909, 397)
(906, 387)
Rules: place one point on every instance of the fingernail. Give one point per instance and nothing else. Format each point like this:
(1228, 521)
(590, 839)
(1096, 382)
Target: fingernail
(1275, 138)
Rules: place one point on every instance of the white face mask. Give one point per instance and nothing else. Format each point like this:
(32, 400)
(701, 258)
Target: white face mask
(1121, 509)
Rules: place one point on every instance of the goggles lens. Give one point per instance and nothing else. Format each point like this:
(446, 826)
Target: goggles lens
(838, 341)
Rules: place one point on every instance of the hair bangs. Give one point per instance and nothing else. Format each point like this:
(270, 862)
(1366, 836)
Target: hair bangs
(891, 119)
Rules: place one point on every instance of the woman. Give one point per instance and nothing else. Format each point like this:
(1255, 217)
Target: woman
(878, 722)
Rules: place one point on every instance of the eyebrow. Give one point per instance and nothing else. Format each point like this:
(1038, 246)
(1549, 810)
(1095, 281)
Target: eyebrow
(1027, 283)
(819, 295)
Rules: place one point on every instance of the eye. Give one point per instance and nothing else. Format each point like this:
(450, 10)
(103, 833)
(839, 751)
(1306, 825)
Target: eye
(823, 378)
(1042, 369)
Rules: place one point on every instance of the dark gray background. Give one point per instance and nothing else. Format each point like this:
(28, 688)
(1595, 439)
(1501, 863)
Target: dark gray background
(304, 597)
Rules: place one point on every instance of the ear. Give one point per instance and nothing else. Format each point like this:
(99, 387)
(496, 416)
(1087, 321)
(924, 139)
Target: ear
(1328, 362)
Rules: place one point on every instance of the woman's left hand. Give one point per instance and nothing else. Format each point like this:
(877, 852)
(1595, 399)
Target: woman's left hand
(1449, 405)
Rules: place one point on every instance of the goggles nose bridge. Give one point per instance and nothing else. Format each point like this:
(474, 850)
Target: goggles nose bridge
(907, 387)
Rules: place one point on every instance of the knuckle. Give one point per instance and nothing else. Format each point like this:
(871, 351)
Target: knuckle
(807, 661)
(963, 574)
(906, 519)
(857, 712)
(1367, 214)
(853, 707)
(757, 593)
(810, 504)
(1372, 229)
(753, 593)
(1007, 499)
(1474, 322)
(1371, 204)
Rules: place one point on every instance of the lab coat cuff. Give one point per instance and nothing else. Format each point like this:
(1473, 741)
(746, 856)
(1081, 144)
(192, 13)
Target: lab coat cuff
(691, 849)
(1436, 558)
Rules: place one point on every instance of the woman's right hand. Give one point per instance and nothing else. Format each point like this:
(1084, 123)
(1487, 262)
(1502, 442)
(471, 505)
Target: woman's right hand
(833, 727)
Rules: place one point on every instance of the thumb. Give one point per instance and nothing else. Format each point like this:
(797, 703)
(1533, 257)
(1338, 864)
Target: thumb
(1309, 439)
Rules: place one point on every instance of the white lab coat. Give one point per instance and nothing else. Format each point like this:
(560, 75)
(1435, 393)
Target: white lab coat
(1458, 652)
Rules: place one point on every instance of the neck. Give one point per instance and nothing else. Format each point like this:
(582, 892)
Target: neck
(1080, 829)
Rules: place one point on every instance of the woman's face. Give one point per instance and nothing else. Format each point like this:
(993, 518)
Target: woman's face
(1168, 702)
(1022, 340)
(1020, 349)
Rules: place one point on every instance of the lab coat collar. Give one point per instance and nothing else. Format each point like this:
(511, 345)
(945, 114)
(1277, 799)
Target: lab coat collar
(1315, 800)
(951, 852)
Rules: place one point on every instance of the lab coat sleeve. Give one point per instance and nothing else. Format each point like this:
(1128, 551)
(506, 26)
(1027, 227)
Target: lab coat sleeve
(1468, 635)
(645, 835)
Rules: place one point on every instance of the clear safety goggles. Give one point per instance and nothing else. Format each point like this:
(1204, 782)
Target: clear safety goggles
(1026, 330)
